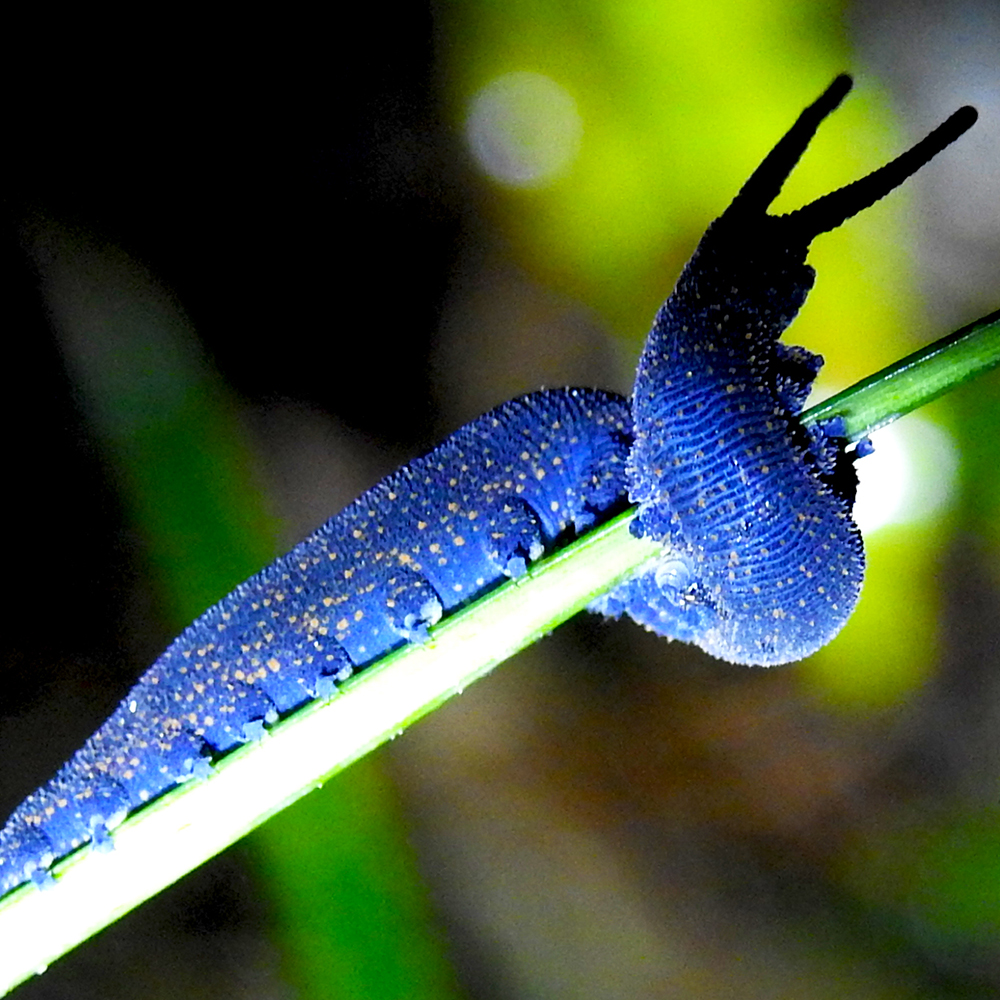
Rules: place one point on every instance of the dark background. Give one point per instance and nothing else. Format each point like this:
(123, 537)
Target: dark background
(279, 189)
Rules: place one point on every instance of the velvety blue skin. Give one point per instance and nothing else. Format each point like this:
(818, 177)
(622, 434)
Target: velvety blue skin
(762, 563)
(498, 494)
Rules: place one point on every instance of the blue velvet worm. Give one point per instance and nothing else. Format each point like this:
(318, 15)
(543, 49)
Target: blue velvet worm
(760, 560)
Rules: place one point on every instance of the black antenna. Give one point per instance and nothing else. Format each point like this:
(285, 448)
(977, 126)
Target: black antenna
(832, 209)
(765, 182)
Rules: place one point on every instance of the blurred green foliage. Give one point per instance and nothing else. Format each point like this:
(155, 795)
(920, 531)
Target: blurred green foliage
(353, 918)
(935, 878)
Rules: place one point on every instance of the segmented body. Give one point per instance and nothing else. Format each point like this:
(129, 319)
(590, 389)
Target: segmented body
(759, 562)
(476, 510)
(763, 563)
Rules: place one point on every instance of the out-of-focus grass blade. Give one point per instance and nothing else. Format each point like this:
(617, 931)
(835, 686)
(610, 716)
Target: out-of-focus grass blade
(171, 433)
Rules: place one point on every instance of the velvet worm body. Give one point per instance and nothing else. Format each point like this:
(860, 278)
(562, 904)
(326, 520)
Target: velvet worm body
(760, 564)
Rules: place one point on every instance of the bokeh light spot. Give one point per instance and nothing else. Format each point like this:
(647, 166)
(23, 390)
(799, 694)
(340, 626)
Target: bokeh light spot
(523, 129)
(910, 477)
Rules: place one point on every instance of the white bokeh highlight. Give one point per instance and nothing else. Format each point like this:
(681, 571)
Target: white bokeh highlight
(910, 477)
(523, 129)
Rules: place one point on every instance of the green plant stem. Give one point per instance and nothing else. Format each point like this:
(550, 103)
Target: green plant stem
(164, 841)
(913, 381)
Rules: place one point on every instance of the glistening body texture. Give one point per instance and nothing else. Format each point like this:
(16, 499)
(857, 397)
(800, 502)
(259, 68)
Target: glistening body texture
(760, 562)
(472, 512)
(767, 563)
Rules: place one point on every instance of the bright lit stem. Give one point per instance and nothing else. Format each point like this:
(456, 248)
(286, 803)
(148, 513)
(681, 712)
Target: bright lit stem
(914, 381)
(192, 823)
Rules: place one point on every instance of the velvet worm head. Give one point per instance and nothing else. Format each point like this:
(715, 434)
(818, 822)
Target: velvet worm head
(754, 511)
